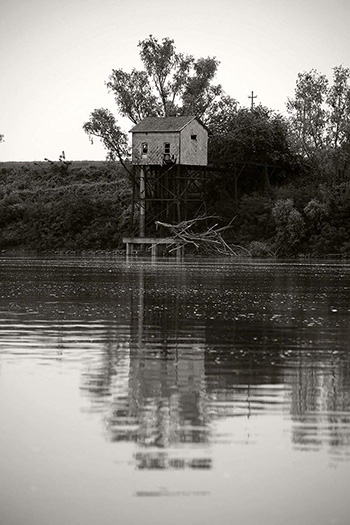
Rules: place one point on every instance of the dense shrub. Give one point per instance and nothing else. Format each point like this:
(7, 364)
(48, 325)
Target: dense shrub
(259, 249)
(290, 226)
(253, 219)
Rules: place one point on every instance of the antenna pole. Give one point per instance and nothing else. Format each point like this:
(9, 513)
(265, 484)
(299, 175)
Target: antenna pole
(252, 97)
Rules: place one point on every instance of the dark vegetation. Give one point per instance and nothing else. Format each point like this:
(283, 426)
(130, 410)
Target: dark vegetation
(63, 206)
(283, 182)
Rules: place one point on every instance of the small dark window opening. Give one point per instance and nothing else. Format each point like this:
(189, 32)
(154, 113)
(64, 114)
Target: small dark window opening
(167, 148)
(193, 137)
(144, 148)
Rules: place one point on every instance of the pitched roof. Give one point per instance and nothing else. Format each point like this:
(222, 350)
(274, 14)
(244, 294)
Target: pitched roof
(159, 124)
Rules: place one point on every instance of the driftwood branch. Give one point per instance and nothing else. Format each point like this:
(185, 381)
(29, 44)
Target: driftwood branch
(208, 241)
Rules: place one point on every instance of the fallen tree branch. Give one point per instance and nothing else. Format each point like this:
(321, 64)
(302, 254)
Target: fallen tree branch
(208, 241)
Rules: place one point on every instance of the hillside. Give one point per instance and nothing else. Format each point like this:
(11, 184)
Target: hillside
(63, 205)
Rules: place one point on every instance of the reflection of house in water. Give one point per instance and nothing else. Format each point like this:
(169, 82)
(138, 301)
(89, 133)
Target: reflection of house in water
(157, 384)
(161, 460)
(165, 379)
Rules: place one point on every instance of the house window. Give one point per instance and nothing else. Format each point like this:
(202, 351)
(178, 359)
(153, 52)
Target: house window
(144, 148)
(193, 137)
(167, 157)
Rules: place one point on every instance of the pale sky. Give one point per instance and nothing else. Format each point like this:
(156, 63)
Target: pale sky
(56, 55)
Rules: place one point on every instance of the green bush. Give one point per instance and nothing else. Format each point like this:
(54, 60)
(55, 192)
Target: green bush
(259, 249)
(290, 227)
(253, 219)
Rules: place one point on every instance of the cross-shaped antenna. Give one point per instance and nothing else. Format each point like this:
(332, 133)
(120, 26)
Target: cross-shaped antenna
(252, 97)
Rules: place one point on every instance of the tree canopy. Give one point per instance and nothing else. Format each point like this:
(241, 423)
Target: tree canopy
(320, 114)
(102, 124)
(170, 84)
(259, 135)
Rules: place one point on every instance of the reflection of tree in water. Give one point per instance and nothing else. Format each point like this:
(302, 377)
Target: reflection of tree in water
(320, 402)
(304, 372)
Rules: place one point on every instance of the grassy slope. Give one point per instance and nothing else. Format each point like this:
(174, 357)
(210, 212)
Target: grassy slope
(72, 206)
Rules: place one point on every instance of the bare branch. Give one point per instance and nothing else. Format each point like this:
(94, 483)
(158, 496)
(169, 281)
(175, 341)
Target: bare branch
(209, 241)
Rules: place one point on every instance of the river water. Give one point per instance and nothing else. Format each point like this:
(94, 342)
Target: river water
(174, 392)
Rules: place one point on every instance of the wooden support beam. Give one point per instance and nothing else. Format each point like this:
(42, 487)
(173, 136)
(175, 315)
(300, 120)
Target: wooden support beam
(142, 201)
(154, 243)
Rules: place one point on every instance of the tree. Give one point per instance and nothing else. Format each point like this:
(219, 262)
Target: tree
(167, 70)
(308, 116)
(258, 135)
(183, 85)
(338, 100)
(102, 124)
(171, 83)
(290, 226)
(199, 95)
(133, 94)
(320, 116)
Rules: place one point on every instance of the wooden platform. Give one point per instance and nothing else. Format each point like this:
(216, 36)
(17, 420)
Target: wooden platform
(154, 242)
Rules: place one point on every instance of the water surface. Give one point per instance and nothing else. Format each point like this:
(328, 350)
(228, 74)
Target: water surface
(193, 392)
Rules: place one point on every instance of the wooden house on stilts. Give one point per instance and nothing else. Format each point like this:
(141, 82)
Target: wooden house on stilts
(169, 156)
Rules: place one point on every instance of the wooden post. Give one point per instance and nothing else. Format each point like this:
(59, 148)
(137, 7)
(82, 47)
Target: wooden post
(141, 306)
(132, 201)
(142, 202)
(178, 192)
(180, 250)
(129, 248)
(236, 190)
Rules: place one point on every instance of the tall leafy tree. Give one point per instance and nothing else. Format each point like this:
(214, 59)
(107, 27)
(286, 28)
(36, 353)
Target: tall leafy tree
(168, 71)
(171, 83)
(338, 100)
(133, 94)
(199, 94)
(320, 115)
(307, 111)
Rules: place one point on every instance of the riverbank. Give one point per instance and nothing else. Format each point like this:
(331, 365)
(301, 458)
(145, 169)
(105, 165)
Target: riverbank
(85, 207)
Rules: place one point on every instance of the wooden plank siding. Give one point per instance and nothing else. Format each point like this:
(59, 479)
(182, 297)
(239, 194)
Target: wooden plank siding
(155, 145)
(194, 152)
